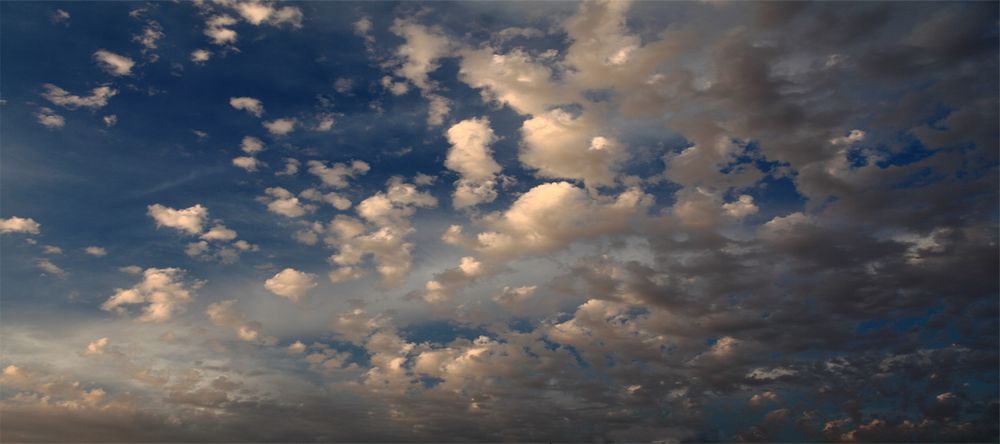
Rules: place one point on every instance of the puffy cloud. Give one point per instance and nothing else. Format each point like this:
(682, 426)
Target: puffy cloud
(291, 168)
(110, 120)
(337, 175)
(98, 97)
(96, 347)
(291, 284)
(258, 13)
(162, 292)
(513, 298)
(60, 16)
(49, 119)
(51, 249)
(560, 145)
(189, 220)
(224, 315)
(514, 79)
(283, 202)
(552, 215)
(50, 268)
(247, 163)
(741, 208)
(217, 29)
(416, 58)
(95, 251)
(250, 105)
(219, 233)
(200, 55)
(114, 64)
(336, 200)
(280, 127)
(16, 224)
(471, 157)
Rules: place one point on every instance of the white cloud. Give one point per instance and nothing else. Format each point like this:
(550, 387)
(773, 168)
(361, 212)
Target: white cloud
(98, 97)
(16, 224)
(219, 233)
(470, 156)
(51, 249)
(50, 268)
(290, 283)
(131, 269)
(336, 200)
(280, 127)
(343, 85)
(60, 16)
(248, 104)
(247, 163)
(283, 202)
(552, 215)
(854, 137)
(560, 145)
(195, 249)
(217, 29)
(259, 13)
(251, 145)
(200, 55)
(49, 119)
(337, 175)
(189, 220)
(110, 120)
(151, 34)
(96, 347)
(291, 168)
(223, 314)
(95, 251)
(162, 291)
(325, 123)
(512, 298)
(114, 64)
(741, 208)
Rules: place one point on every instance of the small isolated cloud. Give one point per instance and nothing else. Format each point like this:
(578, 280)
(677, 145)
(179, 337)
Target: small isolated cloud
(189, 220)
(96, 251)
(248, 104)
(50, 268)
(49, 119)
(343, 85)
(96, 347)
(98, 97)
(201, 55)
(114, 64)
(247, 163)
(291, 168)
(283, 202)
(470, 156)
(162, 293)
(60, 16)
(110, 120)
(337, 175)
(219, 233)
(217, 29)
(291, 284)
(261, 13)
(16, 224)
(251, 145)
(224, 315)
(51, 249)
(280, 127)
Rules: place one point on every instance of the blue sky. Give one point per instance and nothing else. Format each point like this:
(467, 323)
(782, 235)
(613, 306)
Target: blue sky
(494, 221)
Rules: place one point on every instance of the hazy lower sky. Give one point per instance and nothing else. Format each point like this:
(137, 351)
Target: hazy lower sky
(499, 221)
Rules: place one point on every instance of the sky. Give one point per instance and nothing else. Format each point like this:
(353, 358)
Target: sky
(499, 221)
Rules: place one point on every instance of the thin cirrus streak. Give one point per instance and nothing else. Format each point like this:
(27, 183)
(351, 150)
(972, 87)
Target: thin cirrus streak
(493, 221)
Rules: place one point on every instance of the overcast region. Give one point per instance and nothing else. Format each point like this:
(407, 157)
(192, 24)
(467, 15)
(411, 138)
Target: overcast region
(499, 221)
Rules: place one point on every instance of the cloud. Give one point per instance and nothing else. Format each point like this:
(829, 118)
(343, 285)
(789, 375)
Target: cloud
(336, 200)
(248, 163)
(189, 220)
(218, 29)
(291, 168)
(291, 284)
(49, 119)
(96, 251)
(562, 146)
(96, 347)
(201, 55)
(281, 201)
(248, 104)
(470, 156)
(110, 120)
(260, 13)
(114, 64)
(162, 293)
(16, 224)
(60, 16)
(50, 268)
(337, 175)
(98, 97)
(280, 127)
(219, 233)
(224, 315)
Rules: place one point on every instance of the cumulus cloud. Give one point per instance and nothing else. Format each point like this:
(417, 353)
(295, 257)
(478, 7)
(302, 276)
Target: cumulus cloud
(201, 55)
(224, 315)
(16, 224)
(248, 163)
(257, 13)
(283, 202)
(114, 64)
(336, 176)
(162, 293)
(248, 104)
(49, 119)
(50, 268)
(189, 220)
(110, 120)
(291, 284)
(470, 156)
(96, 251)
(562, 146)
(218, 29)
(98, 97)
(280, 127)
